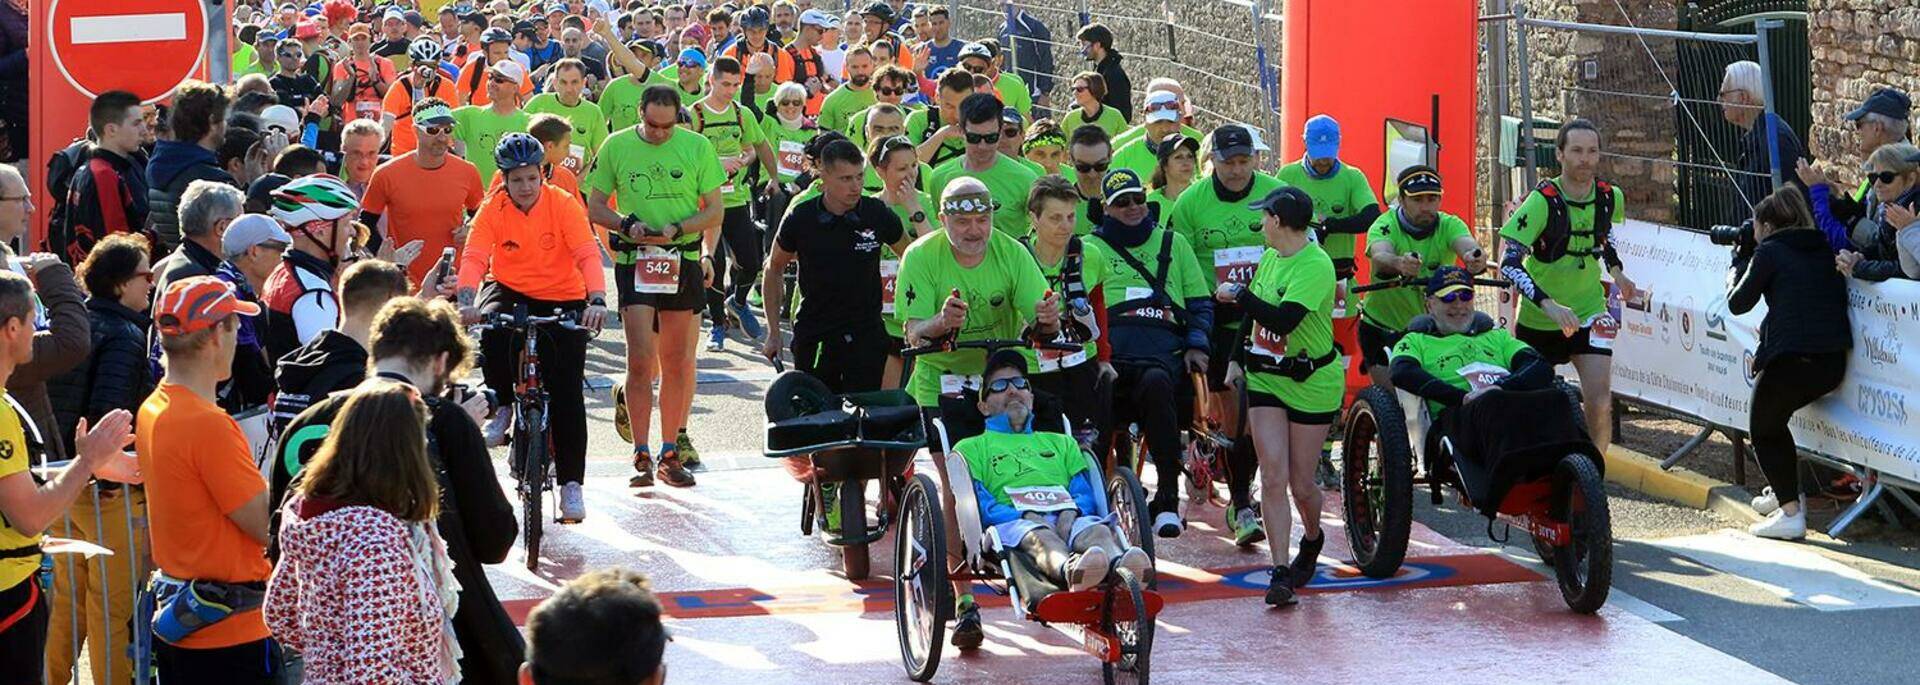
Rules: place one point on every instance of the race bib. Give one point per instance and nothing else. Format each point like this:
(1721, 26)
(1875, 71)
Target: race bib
(1482, 375)
(1137, 293)
(1266, 343)
(1602, 328)
(1340, 298)
(657, 271)
(1236, 264)
(576, 158)
(1148, 311)
(367, 109)
(792, 155)
(1041, 498)
(1055, 360)
(954, 384)
(889, 276)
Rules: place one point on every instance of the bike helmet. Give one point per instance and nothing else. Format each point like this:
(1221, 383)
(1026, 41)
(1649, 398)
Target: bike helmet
(307, 199)
(495, 35)
(424, 50)
(516, 150)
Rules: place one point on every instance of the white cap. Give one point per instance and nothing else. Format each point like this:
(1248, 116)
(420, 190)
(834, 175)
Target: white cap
(248, 230)
(1162, 98)
(818, 18)
(281, 117)
(510, 69)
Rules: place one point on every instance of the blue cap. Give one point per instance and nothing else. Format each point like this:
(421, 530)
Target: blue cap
(1323, 138)
(692, 55)
(1121, 182)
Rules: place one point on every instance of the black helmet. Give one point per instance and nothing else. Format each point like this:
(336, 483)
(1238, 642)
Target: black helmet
(516, 150)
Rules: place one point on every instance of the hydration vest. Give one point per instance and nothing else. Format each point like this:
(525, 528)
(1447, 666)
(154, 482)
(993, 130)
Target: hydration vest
(1555, 240)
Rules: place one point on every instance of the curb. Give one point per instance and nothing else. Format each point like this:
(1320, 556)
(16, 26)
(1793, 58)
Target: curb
(1642, 473)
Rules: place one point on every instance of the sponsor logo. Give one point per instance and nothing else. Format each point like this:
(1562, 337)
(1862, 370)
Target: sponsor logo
(1883, 349)
(1716, 320)
(1746, 363)
(1881, 403)
(1689, 332)
(1666, 323)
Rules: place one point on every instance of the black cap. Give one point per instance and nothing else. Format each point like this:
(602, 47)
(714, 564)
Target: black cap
(878, 8)
(1448, 278)
(261, 190)
(1004, 359)
(1232, 140)
(1165, 147)
(1418, 179)
(475, 18)
(1886, 102)
(1292, 205)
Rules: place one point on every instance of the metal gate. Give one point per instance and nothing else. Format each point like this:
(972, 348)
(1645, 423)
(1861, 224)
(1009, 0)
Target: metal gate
(1707, 196)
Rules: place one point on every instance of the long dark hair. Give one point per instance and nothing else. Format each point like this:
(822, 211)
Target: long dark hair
(376, 455)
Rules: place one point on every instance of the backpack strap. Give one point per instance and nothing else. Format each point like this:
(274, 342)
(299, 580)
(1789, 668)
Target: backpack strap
(1157, 283)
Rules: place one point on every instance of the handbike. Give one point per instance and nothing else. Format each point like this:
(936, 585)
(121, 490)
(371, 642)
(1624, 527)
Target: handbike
(1561, 504)
(846, 440)
(1113, 621)
(530, 457)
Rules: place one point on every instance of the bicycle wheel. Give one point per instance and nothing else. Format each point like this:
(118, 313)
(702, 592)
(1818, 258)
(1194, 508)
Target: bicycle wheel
(1541, 546)
(923, 600)
(1377, 483)
(1124, 616)
(1584, 566)
(1127, 501)
(530, 451)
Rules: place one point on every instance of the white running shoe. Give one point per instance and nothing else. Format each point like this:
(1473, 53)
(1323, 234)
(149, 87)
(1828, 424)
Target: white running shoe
(1168, 525)
(498, 427)
(1087, 569)
(573, 503)
(1780, 526)
(1766, 503)
(1135, 561)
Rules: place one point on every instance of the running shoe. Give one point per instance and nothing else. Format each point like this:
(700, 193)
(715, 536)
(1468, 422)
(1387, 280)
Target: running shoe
(748, 323)
(672, 472)
(498, 427)
(1307, 561)
(684, 446)
(643, 464)
(1246, 527)
(622, 423)
(1781, 526)
(1766, 503)
(1280, 589)
(717, 338)
(1087, 569)
(1327, 476)
(1135, 561)
(573, 503)
(1168, 525)
(830, 505)
(967, 630)
(754, 298)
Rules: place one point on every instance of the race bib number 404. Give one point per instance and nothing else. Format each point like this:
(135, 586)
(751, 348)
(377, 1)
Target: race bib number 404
(1040, 498)
(657, 271)
(1236, 264)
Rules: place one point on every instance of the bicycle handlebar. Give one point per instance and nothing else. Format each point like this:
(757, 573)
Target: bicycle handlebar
(990, 346)
(520, 321)
(1404, 282)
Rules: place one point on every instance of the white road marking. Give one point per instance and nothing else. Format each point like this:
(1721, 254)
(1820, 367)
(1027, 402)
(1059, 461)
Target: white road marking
(1794, 572)
(129, 28)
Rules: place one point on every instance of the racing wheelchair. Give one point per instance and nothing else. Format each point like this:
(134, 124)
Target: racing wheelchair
(850, 440)
(1554, 493)
(1113, 621)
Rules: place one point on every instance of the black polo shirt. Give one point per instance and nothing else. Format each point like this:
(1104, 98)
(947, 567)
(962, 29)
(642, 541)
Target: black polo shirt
(839, 264)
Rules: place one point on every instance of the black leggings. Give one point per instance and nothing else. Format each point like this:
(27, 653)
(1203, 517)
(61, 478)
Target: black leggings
(563, 362)
(23, 645)
(1789, 382)
(847, 362)
(740, 240)
(1148, 393)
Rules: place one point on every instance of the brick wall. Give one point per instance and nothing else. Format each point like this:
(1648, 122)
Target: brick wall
(1858, 45)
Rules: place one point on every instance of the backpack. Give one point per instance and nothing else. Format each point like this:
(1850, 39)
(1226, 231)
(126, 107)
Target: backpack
(61, 169)
(1553, 242)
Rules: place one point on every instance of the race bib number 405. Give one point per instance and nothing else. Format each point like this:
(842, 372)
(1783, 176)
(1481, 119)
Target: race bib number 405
(1236, 264)
(657, 271)
(1040, 498)
(1482, 375)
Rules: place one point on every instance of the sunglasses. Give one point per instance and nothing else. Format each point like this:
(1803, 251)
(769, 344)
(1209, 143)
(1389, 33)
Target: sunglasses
(983, 138)
(1457, 296)
(503, 80)
(890, 92)
(1000, 385)
(1885, 178)
(790, 103)
(1086, 168)
(1079, 88)
(436, 130)
(1125, 201)
(689, 64)
(1010, 132)
(142, 274)
(1164, 107)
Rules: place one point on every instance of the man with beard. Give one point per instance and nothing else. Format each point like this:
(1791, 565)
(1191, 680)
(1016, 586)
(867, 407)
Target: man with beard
(426, 194)
(1410, 241)
(423, 80)
(837, 110)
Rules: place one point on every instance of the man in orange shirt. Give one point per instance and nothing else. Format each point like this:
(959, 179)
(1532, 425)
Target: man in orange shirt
(533, 242)
(470, 87)
(422, 80)
(425, 195)
(753, 40)
(206, 500)
(362, 78)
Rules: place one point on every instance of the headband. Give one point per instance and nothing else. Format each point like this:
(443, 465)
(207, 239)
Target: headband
(1043, 140)
(976, 202)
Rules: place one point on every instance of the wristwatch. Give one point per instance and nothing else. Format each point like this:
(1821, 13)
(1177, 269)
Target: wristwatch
(597, 302)
(917, 218)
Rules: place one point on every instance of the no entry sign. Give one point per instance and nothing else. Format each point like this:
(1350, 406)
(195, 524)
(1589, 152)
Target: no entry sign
(146, 47)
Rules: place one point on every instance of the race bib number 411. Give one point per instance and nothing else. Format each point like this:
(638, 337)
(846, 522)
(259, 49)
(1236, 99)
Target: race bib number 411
(1236, 264)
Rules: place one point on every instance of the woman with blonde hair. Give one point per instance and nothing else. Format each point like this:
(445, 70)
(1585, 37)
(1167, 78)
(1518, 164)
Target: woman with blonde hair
(364, 589)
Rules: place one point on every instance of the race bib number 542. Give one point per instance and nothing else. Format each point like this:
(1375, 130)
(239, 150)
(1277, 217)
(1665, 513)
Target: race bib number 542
(657, 271)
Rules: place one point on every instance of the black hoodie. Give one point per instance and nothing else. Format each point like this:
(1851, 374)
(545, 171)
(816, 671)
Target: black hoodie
(328, 363)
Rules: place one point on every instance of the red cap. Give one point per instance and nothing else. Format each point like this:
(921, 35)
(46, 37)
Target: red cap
(196, 303)
(306, 29)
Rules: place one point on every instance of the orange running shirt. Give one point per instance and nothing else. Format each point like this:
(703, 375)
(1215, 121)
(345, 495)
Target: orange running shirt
(199, 469)
(423, 204)
(534, 253)
(399, 103)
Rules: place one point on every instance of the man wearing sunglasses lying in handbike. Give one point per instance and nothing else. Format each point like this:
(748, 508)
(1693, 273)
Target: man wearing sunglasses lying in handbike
(1036, 490)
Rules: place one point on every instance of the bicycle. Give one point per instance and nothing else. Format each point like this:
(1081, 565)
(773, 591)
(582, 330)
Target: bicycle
(530, 456)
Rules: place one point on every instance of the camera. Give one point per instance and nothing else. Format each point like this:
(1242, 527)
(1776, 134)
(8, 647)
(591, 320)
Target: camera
(459, 392)
(1733, 236)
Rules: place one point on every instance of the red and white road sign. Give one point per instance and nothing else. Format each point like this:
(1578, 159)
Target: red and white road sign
(146, 47)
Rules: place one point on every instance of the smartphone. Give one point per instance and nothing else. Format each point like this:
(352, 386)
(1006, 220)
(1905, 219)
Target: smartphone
(445, 266)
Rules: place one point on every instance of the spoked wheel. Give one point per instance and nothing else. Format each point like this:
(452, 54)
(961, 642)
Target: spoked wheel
(853, 521)
(530, 452)
(1126, 618)
(1377, 482)
(1584, 566)
(1540, 545)
(1128, 502)
(923, 601)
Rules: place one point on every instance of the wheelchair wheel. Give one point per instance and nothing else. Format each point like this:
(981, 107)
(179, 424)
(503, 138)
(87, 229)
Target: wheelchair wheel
(1124, 616)
(794, 394)
(1128, 501)
(1377, 482)
(1584, 566)
(1541, 546)
(853, 521)
(923, 601)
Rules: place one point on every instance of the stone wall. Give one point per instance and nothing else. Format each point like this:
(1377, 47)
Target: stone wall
(1858, 45)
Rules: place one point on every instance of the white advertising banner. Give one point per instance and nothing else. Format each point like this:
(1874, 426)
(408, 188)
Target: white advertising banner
(1679, 348)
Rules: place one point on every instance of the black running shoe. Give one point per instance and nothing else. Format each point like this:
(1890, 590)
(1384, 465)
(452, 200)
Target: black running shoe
(967, 633)
(1280, 589)
(643, 463)
(1307, 561)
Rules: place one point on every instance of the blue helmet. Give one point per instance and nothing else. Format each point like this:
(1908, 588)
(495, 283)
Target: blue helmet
(516, 150)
